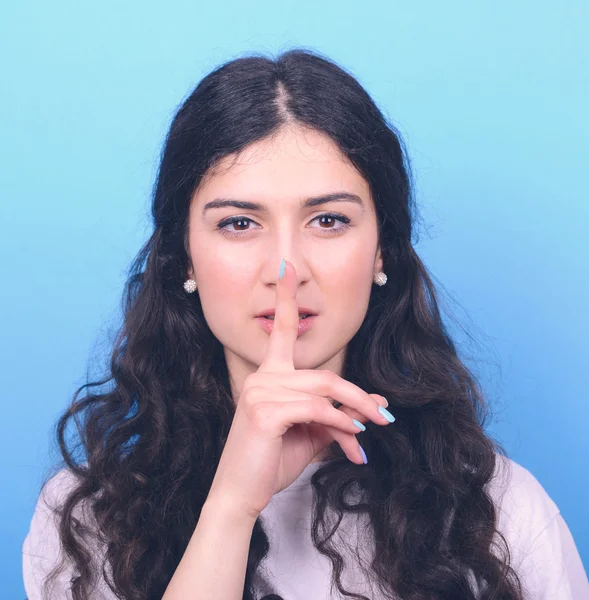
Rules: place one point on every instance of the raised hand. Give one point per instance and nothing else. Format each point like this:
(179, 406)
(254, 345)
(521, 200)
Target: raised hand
(284, 417)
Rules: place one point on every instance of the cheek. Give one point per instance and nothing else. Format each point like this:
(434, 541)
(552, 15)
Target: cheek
(346, 291)
(352, 257)
(223, 267)
(348, 271)
(225, 285)
(225, 272)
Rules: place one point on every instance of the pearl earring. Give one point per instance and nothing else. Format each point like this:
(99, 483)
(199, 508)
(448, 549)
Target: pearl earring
(380, 278)
(190, 285)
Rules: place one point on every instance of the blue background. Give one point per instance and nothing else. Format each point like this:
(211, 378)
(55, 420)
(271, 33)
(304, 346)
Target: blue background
(491, 99)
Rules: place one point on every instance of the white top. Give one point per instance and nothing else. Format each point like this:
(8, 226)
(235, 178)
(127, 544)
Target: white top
(542, 548)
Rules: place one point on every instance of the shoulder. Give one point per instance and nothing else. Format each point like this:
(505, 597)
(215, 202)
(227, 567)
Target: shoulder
(41, 548)
(42, 539)
(56, 489)
(542, 549)
(524, 506)
(52, 497)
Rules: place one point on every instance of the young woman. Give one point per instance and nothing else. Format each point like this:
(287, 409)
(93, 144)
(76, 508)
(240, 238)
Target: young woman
(338, 448)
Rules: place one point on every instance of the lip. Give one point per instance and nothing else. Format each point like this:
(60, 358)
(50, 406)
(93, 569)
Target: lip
(303, 310)
(304, 324)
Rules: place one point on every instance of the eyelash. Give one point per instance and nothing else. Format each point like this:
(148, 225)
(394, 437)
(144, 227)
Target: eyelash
(338, 216)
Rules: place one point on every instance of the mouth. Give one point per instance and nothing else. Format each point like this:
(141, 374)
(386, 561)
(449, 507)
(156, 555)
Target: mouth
(301, 317)
(305, 323)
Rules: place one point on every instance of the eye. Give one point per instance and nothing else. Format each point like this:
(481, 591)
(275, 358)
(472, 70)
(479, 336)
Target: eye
(329, 217)
(222, 226)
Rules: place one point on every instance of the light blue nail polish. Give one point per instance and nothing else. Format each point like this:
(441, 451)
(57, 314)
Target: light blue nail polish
(358, 424)
(282, 265)
(363, 454)
(386, 414)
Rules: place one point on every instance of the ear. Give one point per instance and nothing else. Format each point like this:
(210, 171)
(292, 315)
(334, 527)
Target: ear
(190, 271)
(378, 261)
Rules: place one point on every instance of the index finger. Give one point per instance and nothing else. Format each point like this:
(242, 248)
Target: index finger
(280, 350)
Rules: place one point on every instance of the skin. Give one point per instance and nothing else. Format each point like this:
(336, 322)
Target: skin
(236, 275)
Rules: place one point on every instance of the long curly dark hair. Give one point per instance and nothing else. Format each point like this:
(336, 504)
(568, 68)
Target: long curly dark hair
(150, 441)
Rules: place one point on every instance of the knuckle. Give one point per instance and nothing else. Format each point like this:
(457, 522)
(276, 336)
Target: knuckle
(251, 380)
(327, 380)
(260, 413)
(330, 376)
(252, 395)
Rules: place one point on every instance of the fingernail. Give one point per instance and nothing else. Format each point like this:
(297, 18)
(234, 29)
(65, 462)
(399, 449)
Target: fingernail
(282, 265)
(358, 424)
(386, 401)
(363, 454)
(386, 414)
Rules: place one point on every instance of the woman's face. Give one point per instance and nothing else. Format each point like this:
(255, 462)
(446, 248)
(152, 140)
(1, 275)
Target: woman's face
(236, 265)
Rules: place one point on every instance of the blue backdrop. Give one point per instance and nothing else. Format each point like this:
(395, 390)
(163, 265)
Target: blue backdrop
(491, 99)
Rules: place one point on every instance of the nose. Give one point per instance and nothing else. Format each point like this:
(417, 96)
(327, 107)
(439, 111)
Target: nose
(291, 247)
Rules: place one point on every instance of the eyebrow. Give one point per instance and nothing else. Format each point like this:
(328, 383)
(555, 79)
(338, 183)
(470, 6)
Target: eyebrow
(314, 201)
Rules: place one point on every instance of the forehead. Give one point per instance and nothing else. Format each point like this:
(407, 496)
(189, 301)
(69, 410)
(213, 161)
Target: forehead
(293, 163)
